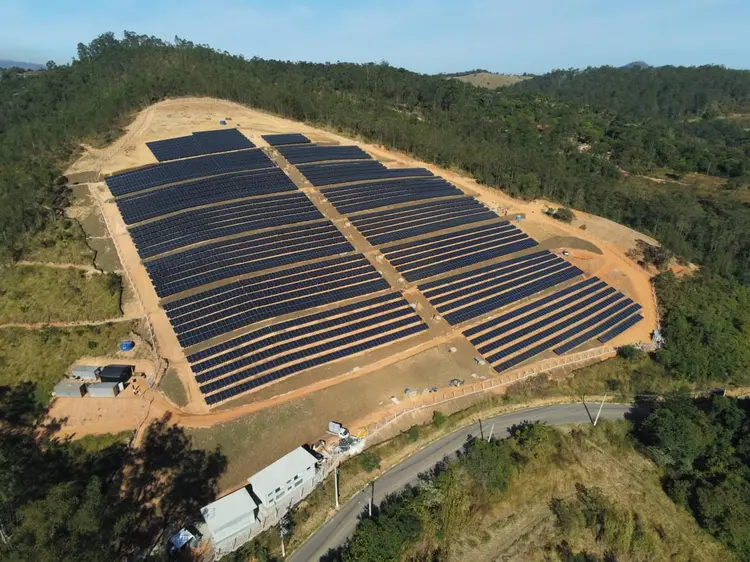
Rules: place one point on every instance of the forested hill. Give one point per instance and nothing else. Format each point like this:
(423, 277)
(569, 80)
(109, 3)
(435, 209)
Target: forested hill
(670, 92)
(525, 143)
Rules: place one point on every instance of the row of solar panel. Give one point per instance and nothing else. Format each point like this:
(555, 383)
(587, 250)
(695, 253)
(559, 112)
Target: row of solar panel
(346, 172)
(416, 220)
(199, 225)
(498, 301)
(312, 362)
(437, 242)
(221, 310)
(499, 284)
(250, 257)
(277, 333)
(304, 347)
(216, 353)
(525, 271)
(615, 311)
(498, 320)
(606, 325)
(315, 153)
(613, 303)
(363, 196)
(524, 314)
(158, 202)
(457, 248)
(285, 138)
(204, 142)
(201, 166)
(450, 284)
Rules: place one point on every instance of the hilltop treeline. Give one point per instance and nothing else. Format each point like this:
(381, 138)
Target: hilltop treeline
(668, 92)
(520, 141)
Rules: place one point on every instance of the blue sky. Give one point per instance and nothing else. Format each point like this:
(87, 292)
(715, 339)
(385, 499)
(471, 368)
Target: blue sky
(439, 36)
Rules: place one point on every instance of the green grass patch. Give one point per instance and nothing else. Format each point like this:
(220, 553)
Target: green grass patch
(36, 293)
(43, 356)
(171, 386)
(95, 443)
(60, 241)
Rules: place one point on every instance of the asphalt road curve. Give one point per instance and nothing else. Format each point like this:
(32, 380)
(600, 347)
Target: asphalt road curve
(335, 532)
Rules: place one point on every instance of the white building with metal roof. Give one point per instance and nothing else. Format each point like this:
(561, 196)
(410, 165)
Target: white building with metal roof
(232, 521)
(286, 481)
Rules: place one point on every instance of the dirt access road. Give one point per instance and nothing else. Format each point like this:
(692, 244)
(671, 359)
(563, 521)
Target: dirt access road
(599, 250)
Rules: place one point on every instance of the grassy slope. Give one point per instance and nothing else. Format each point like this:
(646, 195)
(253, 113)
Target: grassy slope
(31, 293)
(491, 80)
(61, 241)
(521, 525)
(42, 356)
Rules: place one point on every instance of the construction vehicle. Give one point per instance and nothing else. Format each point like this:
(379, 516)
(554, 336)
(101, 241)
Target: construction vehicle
(335, 428)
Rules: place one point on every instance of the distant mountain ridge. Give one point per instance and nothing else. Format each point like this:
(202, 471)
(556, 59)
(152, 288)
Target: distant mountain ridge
(5, 63)
(637, 64)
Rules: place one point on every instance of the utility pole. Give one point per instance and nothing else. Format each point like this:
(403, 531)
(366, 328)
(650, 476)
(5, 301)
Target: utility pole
(283, 551)
(369, 502)
(481, 431)
(599, 413)
(491, 430)
(336, 484)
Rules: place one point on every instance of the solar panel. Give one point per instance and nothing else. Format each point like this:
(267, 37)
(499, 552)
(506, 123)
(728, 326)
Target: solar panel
(315, 153)
(346, 172)
(206, 142)
(172, 172)
(285, 138)
(146, 205)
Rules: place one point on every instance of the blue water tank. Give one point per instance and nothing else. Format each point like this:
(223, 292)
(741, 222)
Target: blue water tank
(127, 345)
(222, 122)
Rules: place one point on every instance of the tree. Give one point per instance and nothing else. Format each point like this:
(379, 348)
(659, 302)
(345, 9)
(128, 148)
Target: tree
(438, 418)
(369, 461)
(490, 465)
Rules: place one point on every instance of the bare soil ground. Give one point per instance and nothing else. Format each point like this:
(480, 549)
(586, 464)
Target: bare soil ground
(340, 390)
(491, 80)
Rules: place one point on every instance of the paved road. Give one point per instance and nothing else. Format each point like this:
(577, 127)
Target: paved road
(338, 528)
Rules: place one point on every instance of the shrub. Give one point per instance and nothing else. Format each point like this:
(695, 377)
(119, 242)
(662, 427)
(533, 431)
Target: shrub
(413, 433)
(438, 418)
(564, 214)
(629, 352)
(369, 461)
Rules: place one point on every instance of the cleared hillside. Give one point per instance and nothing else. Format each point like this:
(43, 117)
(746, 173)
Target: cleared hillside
(491, 80)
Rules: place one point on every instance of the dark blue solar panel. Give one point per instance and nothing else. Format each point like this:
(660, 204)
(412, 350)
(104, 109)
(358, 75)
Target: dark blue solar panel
(286, 138)
(150, 204)
(198, 225)
(346, 172)
(315, 153)
(510, 297)
(606, 325)
(593, 281)
(620, 328)
(205, 142)
(201, 166)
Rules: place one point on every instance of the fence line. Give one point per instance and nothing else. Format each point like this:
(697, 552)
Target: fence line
(488, 385)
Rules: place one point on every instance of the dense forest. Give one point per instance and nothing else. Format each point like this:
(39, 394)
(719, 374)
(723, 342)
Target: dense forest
(89, 500)
(665, 92)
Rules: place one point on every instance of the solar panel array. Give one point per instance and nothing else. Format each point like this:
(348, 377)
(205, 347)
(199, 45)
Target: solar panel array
(214, 312)
(560, 321)
(221, 260)
(470, 294)
(201, 166)
(198, 225)
(150, 204)
(315, 153)
(205, 142)
(286, 138)
(272, 352)
(446, 252)
(346, 172)
(362, 196)
(381, 227)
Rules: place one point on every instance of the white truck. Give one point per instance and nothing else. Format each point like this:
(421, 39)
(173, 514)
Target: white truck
(335, 428)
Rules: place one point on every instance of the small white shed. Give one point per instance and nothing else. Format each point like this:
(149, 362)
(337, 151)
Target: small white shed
(231, 520)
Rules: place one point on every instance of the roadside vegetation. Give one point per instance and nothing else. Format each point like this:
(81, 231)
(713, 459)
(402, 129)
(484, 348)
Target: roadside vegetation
(60, 241)
(37, 294)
